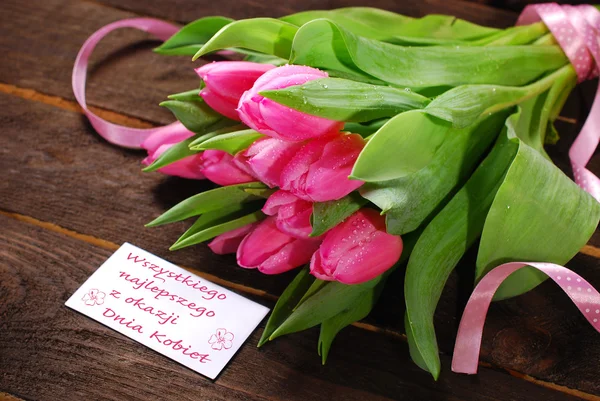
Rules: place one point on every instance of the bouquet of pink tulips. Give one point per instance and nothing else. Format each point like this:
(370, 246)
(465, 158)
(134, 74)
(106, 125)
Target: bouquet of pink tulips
(356, 141)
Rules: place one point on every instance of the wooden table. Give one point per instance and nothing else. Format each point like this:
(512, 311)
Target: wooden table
(68, 199)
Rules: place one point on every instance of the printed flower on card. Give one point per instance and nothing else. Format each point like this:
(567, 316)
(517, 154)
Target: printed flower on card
(222, 339)
(93, 297)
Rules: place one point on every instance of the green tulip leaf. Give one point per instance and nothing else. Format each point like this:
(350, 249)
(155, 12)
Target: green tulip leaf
(316, 286)
(463, 105)
(189, 39)
(261, 192)
(195, 115)
(323, 44)
(220, 216)
(408, 201)
(191, 96)
(538, 214)
(175, 153)
(329, 301)
(208, 201)
(286, 303)
(346, 100)
(327, 215)
(365, 129)
(443, 242)
(331, 327)
(201, 235)
(213, 231)
(390, 27)
(415, 131)
(263, 35)
(232, 142)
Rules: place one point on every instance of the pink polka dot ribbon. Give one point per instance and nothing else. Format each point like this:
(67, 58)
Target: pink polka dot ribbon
(470, 330)
(117, 134)
(576, 29)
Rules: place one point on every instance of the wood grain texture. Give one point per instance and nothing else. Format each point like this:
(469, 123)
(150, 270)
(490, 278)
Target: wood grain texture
(58, 171)
(50, 352)
(186, 11)
(70, 171)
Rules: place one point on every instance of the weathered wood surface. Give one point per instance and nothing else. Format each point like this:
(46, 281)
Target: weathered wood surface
(58, 171)
(49, 352)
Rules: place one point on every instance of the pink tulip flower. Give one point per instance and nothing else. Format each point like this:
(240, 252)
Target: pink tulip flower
(267, 157)
(271, 251)
(319, 171)
(230, 241)
(357, 250)
(275, 120)
(157, 143)
(292, 213)
(226, 81)
(219, 167)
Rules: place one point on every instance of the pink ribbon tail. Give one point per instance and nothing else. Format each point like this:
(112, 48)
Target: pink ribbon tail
(470, 331)
(117, 134)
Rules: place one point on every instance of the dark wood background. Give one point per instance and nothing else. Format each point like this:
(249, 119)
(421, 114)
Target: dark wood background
(68, 199)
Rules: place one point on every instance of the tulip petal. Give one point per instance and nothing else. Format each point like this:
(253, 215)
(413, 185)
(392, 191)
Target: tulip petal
(264, 241)
(293, 125)
(357, 250)
(263, 82)
(220, 104)
(276, 200)
(170, 134)
(230, 241)
(316, 267)
(371, 258)
(218, 166)
(267, 157)
(292, 255)
(230, 79)
(319, 171)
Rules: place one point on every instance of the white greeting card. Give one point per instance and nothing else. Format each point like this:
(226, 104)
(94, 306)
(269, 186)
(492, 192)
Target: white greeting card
(176, 313)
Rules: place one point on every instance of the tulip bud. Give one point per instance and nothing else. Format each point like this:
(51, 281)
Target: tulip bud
(271, 251)
(292, 213)
(219, 167)
(357, 250)
(319, 171)
(229, 241)
(275, 120)
(267, 157)
(158, 143)
(226, 81)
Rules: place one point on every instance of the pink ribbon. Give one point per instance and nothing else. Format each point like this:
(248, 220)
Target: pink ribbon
(576, 30)
(468, 340)
(117, 134)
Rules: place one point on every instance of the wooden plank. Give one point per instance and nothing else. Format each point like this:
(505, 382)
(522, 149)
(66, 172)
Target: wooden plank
(125, 75)
(185, 11)
(91, 187)
(39, 41)
(53, 78)
(45, 143)
(49, 352)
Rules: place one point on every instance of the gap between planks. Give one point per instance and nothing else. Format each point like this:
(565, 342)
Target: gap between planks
(8, 397)
(111, 246)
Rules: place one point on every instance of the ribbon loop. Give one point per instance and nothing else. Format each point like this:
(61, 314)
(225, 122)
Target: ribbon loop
(117, 134)
(470, 330)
